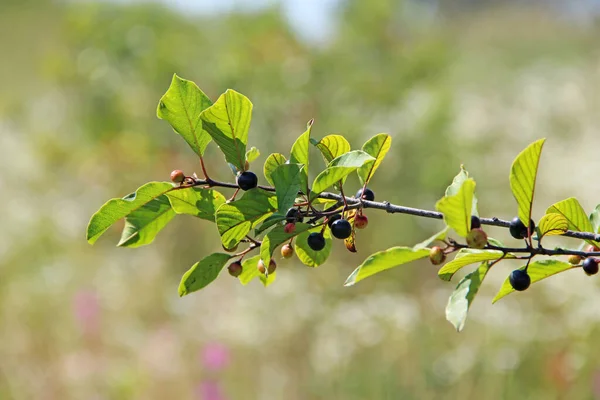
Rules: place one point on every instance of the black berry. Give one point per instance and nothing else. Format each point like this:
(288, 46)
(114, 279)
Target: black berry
(316, 241)
(368, 194)
(247, 180)
(333, 218)
(475, 222)
(293, 215)
(341, 229)
(518, 230)
(519, 280)
(590, 266)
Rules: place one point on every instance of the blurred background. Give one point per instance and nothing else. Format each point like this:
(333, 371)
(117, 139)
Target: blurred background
(468, 82)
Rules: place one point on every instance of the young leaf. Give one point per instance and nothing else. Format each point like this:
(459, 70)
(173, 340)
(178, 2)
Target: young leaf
(553, 224)
(273, 161)
(595, 219)
(236, 219)
(537, 271)
(202, 273)
(181, 106)
(287, 179)
(377, 147)
(573, 213)
(143, 224)
(464, 294)
(250, 271)
(307, 255)
(228, 121)
(384, 260)
(201, 203)
(441, 235)
(469, 256)
(338, 169)
(115, 209)
(522, 177)
(278, 236)
(252, 154)
(457, 208)
(456, 184)
(299, 154)
(332, 146)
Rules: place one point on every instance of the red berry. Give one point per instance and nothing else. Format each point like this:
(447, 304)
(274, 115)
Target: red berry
(177, 176)
(290, 227)
(361, 221)
(235, 269)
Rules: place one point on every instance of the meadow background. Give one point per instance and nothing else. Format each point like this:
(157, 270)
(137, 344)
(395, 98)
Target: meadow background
(471, 82)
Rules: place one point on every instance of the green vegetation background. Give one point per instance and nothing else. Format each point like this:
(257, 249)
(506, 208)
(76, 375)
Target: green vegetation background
(79, 84)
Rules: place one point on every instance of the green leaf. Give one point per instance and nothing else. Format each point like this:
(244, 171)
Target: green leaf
(457, 208)
(278, 236)
(494, 242)
(522, 177)
(537, 271)
(456, 184)
(250, 271)
(377, 147)
(201, 203)
(299, 154)
(236, 219)
(338, 169)
(573, 213)
(202, 273)
(595, 219)
(181, 106)
(464, 294)
(252, 154)
(287, 179)
(332, 146)
(143, 224)
(469, 256)
(228, 121)
(441, 235)
(273, 161)
(269, 222)
(307, 255)
(553, 224)
(115, 209)
(384, 260)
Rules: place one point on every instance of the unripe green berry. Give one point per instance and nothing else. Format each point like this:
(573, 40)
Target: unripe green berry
(287, 251)
(436, 255)
(477, 238)
(574, 260)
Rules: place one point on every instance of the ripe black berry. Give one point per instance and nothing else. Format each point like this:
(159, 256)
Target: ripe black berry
(475, 222)
(316, 241)
(293, 215)
(519, 280)
(590, 266)
(518, 230)
(341, 229)
(368, 194)
(333, 218)
(247, 180)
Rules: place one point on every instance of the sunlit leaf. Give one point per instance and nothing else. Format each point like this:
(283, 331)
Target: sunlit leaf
(469, 256)
(441, 235)
(309, 256)
(272, 162)
(181, 106)
(236, 219)
(252, 154)
(201, 203)
(115, 209)
(537, 271)
(377, 147)
(299, 154)
(457, 208)
(384, 260)
(287, 179)
(553, 224)
(464, 294)
(338, 169)
(277, 236)
(573, 213)
(523, 174)
(595, 219)
(202, 273)
(250, 271)
(144, 223)
(456, 184)
(228, 121)
(332, 146)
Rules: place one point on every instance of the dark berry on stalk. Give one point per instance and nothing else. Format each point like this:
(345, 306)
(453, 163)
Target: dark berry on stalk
(519, 280)
(475, 222)
(590, 266)
(247, 180)
(368, 194)
(316, 241)
(341, 229)
(518, 230)
(293, 215)
(333, 218)
(235, 269)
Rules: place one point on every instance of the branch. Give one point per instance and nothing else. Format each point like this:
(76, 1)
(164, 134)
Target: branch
(354, 203)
